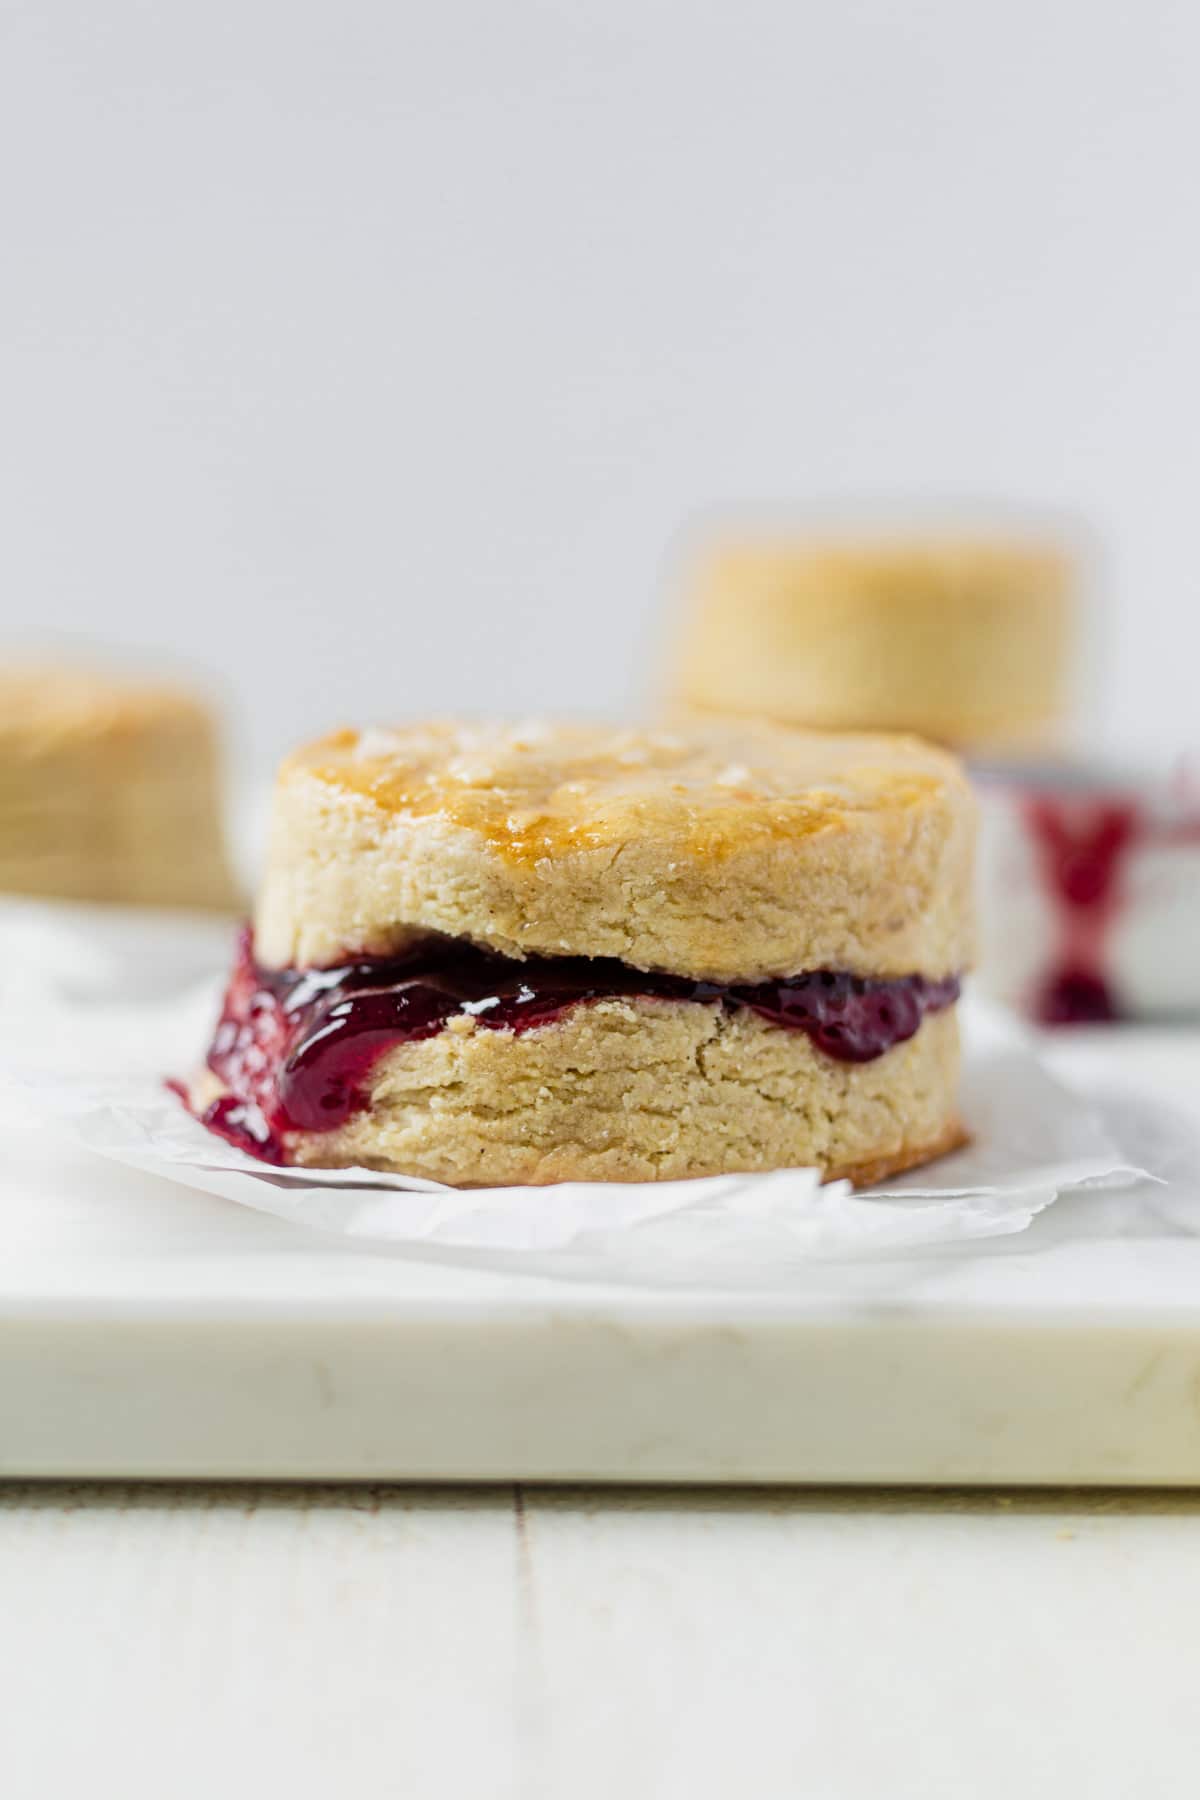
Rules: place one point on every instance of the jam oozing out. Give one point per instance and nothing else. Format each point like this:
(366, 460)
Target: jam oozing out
(295, 1047)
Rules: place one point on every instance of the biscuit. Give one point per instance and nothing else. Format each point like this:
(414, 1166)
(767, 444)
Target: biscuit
(109, 791)
(964, 641)
(732, 853)
(492, 955)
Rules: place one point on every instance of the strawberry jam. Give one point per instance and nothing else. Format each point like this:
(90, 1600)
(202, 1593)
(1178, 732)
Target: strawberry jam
(295, 1047)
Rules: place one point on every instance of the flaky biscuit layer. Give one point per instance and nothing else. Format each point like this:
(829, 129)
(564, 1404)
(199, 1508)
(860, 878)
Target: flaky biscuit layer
(644, 1091)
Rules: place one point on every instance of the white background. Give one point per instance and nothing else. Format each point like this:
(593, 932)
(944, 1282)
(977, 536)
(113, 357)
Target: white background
(368, 356)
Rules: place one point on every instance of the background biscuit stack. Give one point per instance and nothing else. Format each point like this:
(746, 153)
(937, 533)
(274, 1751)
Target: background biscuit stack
(109, 791)
(965, 640)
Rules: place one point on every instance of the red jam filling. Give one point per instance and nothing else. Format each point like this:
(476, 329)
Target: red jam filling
(295, 1047)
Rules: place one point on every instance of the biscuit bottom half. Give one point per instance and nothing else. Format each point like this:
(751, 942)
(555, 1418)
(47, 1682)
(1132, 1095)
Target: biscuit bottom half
(683, 1080)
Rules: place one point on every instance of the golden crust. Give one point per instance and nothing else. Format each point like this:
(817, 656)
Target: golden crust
(626, 1090)
(873, 1170)
(964, 641)
(722, 852)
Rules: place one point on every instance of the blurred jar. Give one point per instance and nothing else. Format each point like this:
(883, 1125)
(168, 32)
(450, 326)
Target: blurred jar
(1090, 893)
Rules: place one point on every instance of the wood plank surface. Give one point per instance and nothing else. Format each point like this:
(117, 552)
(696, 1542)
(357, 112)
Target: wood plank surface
(179, 1641)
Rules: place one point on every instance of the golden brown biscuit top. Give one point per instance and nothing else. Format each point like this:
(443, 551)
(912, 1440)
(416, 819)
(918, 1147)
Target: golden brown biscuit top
(538, 791)
(724, 850)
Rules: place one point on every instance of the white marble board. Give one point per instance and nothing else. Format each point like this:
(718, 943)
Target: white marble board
(146, 1330)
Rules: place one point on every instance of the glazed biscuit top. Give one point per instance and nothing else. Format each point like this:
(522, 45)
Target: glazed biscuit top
(536, 791)
(722, 852)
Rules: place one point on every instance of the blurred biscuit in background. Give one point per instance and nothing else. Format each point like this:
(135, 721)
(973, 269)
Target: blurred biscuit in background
(966, 640)
(109, 790)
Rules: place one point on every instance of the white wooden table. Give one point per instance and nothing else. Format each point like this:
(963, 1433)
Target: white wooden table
(179, 1641)
(312, 1642)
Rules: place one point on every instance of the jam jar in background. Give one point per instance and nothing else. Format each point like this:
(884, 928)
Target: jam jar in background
(1090, 891)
